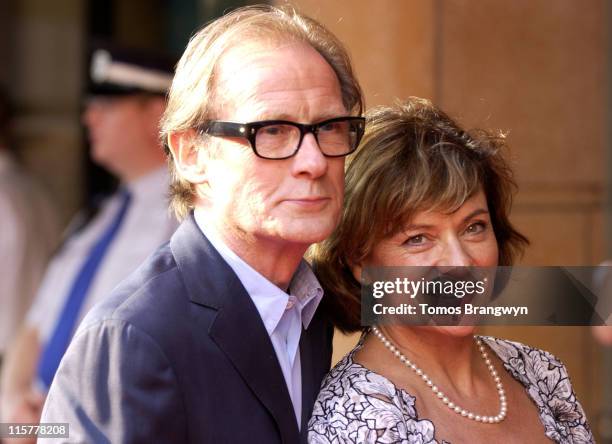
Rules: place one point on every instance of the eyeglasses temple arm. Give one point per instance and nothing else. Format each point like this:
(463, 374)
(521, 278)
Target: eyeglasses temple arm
(227, 129)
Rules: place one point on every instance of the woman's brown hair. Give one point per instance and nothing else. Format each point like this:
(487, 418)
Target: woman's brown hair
(413, 157)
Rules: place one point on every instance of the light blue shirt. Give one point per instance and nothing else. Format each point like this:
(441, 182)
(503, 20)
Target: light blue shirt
(283, 314)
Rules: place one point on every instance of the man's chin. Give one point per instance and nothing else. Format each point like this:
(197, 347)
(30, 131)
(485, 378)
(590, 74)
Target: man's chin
(304, 238)
(306, 235)
(102, 159)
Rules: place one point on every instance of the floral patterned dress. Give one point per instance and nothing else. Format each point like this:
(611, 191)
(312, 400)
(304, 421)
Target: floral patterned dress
(357, 405)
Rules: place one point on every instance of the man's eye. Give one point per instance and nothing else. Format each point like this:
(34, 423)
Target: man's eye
(274, 130)
(329, 127)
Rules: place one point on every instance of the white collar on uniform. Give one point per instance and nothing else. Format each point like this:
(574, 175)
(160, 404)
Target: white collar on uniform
(305, 292)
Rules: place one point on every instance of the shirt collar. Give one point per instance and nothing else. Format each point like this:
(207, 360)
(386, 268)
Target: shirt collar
(271, 302)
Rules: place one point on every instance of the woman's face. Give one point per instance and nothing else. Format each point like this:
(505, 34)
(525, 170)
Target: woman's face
(464, 238)
(431, 238)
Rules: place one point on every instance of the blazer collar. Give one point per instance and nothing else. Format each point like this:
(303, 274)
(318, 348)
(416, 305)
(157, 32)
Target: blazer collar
(205, 274)
(237, 329)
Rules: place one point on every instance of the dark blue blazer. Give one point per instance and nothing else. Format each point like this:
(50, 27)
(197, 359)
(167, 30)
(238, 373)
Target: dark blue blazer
(178, 353)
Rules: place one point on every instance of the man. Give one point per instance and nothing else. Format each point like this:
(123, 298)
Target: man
(217, 338)
(127, 99)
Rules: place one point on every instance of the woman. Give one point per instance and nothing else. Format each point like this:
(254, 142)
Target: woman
(422, 191)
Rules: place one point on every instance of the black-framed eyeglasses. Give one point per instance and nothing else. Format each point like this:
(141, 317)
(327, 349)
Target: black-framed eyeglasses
(281, 139)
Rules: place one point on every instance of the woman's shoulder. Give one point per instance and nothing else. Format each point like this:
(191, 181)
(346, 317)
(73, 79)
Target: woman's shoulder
(356, 404)
(514, 353)
(526, 363)
(349, 381)
(547, 382)
(533, 367)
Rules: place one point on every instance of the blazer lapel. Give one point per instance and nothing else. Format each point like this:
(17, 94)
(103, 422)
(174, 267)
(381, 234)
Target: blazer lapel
(237, 329)
(309, 391)
(245, 341)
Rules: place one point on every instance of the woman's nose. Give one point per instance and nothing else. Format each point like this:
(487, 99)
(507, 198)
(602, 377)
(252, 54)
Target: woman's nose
(457, 255)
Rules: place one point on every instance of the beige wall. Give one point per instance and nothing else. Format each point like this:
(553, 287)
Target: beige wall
(534, 68)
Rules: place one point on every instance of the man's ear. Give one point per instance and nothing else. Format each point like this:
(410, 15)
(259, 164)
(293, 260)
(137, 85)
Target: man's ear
(187, 157)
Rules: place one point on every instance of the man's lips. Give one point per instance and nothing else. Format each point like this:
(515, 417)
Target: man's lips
(308, 201)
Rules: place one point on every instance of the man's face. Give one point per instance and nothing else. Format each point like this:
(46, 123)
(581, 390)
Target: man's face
(121, 131)
(296, 200)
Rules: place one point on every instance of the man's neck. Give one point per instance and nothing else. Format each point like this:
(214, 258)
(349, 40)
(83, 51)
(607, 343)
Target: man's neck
(275, 259)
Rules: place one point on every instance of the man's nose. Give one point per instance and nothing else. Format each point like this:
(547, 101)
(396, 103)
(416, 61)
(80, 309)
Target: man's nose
(309, 159)
(89, 115)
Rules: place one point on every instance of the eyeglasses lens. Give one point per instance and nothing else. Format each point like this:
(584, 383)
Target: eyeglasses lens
(335, 138)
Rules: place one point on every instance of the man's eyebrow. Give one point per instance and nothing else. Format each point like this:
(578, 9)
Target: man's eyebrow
(284, 116)
(275, 116)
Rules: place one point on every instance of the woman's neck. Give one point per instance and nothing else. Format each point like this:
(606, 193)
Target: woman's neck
(449, 359)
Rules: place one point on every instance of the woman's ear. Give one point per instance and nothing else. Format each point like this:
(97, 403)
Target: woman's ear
(188, 158)
(356, 270)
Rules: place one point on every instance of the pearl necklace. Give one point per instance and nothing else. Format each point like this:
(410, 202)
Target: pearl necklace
(503, 410)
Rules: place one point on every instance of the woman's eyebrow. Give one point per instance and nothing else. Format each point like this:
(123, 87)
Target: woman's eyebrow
(413, 227)
(475, 213)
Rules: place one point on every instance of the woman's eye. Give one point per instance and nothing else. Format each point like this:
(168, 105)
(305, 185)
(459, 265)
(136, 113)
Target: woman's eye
(419, 239)
(476, 227)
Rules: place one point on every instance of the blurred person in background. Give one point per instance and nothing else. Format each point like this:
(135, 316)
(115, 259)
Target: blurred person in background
(421, 191)
(126, 101)
(29, 231)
